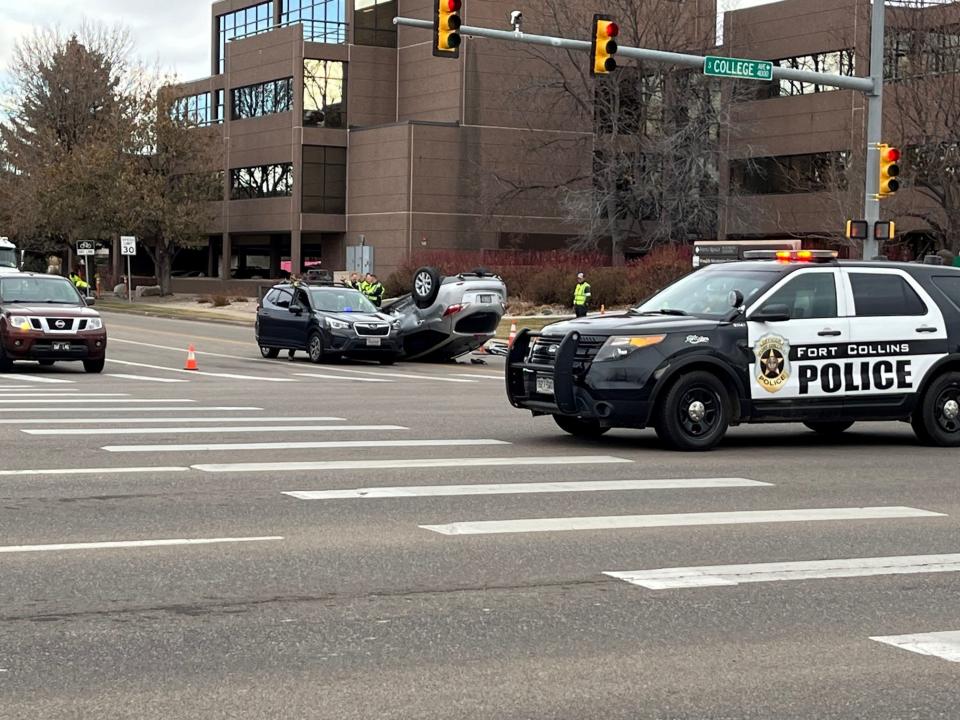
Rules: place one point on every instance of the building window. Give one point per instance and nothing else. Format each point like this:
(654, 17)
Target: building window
(373, 22)
(785, 174)
(324, 179)
(261, 181)
(919, 53)
(220, 106)
(835, 62)
(323, 20)
(323, 86)
(266, 98)
(240, 24)
(197, 110)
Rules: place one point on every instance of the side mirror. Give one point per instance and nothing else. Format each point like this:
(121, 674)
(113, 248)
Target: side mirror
(296, 309)
(771, 313)
(735, 298)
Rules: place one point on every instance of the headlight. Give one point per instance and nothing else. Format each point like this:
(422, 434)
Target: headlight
(337, 324)
(20, 322)
(620, 346)
(94, 324)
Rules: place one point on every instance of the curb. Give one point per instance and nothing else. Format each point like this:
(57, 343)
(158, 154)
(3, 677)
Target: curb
(161, 312)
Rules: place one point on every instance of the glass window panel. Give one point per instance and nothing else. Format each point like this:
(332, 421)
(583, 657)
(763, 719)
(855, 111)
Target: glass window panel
(323, 86)
(883, 295)
(809, 295)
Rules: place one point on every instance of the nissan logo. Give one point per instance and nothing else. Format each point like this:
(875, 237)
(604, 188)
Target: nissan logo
(60, 324)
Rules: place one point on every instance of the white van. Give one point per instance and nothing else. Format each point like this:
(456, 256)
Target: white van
(9, 262)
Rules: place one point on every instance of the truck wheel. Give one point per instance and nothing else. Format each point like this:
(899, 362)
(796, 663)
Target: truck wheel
(830, 428)
(94, 366)
(269, 353)
(695, 413)
(315, 347)
(579, 427)
(936, 421)
(426, 286)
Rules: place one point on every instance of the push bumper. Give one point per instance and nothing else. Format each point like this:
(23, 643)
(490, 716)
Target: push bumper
(585, 393)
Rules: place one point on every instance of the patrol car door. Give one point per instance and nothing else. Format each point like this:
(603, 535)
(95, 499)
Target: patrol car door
(788, 356)
(897, 333)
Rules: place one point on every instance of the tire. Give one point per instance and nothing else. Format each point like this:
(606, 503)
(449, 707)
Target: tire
(46, 363)
(426, 286)
(936, 421)
(269, 352)
(6, 364)
(579, 427)
(695, 413)
(315, 347)
(829, 428)
(94, 366)
(388, 361)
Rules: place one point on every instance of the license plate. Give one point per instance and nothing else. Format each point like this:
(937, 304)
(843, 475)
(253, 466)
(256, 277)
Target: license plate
(374, 342)
(544, 385)
(486, 299)
(61, 346)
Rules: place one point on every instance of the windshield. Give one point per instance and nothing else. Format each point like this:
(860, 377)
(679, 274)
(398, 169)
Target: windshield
(706, 293)
(38, 290)
(340, 300)
(8, 257)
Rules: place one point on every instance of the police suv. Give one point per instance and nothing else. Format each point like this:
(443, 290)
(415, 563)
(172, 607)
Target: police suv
(783, 336)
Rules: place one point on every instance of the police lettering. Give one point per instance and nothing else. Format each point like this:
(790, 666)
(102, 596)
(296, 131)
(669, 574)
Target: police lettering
(857, 376)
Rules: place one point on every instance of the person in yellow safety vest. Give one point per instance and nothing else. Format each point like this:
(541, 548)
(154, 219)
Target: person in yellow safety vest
(78, 282)
(373, 289)
(581, 296)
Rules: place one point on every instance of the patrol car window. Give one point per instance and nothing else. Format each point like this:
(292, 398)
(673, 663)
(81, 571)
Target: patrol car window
(808, 295)
(707, 292)
(949, 286)
(884, 295)
(340, 300)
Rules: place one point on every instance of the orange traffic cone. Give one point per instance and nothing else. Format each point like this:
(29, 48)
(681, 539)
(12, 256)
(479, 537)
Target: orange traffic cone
(191, 359)
(513, 334)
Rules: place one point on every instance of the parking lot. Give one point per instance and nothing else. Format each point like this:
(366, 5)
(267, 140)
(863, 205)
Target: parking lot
(271, 538)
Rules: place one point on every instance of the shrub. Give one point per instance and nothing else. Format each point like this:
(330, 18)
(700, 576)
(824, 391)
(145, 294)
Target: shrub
(204, 300)
(549, 286)
(220, 301)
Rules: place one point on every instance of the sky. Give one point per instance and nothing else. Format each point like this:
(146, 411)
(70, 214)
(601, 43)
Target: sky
(173, 34)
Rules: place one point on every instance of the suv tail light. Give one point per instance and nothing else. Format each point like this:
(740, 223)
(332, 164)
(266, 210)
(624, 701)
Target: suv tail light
(454, 309)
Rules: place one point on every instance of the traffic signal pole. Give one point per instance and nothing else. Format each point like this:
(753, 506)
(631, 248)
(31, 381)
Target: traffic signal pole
(871, 86)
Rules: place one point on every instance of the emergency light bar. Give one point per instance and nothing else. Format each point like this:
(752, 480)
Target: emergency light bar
(816, 256)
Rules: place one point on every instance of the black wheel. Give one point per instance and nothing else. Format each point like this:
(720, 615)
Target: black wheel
(46, 363)
(269, 353)
(695, 413)
(829, 428)
(426, 286)
(388, 360)
(937, 419)
(6, 364)
(579, 427)
(94, 366)
(315, 347)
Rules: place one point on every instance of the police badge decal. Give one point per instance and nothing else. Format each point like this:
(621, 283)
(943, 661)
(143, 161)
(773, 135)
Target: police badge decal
(773, 362)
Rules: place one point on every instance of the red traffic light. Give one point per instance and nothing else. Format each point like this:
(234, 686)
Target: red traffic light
(893, 155)
(612, 29)
(454, 5)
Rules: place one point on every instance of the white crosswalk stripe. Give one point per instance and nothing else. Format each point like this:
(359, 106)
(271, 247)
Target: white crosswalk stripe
(145, 378)
(40, 379)
(320, 445)
(85, 401)
(722, 575)
(213, 430)
(369, 465)
(407, 376)
(104, 411)
(203, 373)
(158, 421)
(943, 645)
(324, 376)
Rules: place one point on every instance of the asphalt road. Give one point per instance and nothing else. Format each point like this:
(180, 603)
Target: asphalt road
(436, 603)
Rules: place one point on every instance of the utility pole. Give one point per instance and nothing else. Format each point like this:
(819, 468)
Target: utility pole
(871, 200)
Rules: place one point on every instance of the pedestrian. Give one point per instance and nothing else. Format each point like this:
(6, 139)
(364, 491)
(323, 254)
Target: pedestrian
(373, 290)
(581, 296)
(354, 281)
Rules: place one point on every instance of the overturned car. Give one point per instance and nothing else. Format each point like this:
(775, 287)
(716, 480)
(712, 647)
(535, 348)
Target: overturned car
(443, 318)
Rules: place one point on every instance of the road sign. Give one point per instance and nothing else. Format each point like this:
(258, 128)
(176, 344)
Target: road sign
(737, 68)
(128, 245)
(86, 247)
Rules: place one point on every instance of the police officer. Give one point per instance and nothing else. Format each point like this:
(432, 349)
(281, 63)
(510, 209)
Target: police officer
(78, 282)
(581, 296)
(373, 289)
(355, 282)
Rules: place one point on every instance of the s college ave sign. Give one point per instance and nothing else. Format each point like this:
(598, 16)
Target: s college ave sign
(737, 68)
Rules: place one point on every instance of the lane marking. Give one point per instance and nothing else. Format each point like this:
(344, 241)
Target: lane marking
(341, 377)
(198, 408)
(31, 388)
(134, 544)
(94, 401)
(34, 379)
(230, 376)
(150, 421)
(409, 376)
(213, 430)
(198, 352)
(945, 645)
(374, 493)
(417, 463)
(619, 522)
(62, 394)
(91, 471)
(475, 375)
(722, 575)
(331, 444)
(146, 378)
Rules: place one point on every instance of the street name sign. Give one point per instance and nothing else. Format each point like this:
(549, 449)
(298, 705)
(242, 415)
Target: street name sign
(737, 68)
(86, 247)
(128, 245)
